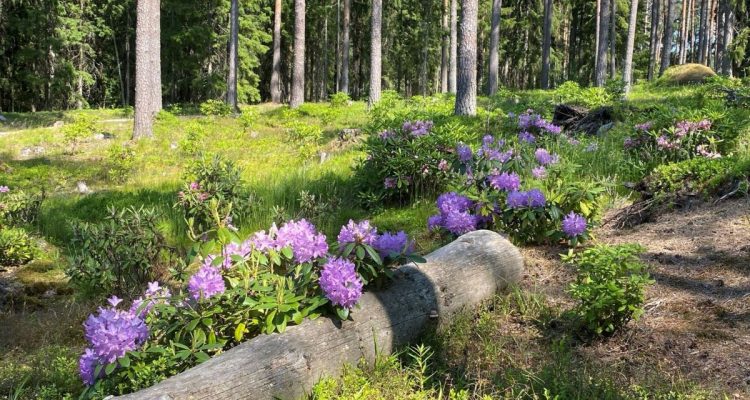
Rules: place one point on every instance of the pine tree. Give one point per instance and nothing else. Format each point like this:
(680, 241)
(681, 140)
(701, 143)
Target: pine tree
(375, 51)
(147, 68)
(298, 68)
(466, 85)
(627, 73)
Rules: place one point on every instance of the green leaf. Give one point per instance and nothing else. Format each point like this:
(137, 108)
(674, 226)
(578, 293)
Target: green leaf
(124, 361)
(239, 332)
(110, 368)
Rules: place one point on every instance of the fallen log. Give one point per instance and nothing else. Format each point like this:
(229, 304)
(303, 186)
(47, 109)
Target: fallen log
(285, 366)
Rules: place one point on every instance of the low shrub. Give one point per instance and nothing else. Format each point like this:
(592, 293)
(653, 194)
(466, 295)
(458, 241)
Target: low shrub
(16, 247)
(571, 93)
(121, 162)
(340, 99)
(241, 289)
(18, 207)
(248, 118)
(609, 287)
(194, 141)
(306, 137)
(80, 127)
(699, 176)
(119, 255)
(216, 108)
(682, 141)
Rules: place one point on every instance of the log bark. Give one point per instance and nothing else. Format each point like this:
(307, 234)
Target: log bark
(462, 274)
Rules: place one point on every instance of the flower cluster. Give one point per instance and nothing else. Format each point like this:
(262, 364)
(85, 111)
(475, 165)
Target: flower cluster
(455, 214)
(389, 182)
(361, 232)
(464, 153)
(544, 157)
(417, 128)
(531, 122)
(155, 294)
(493, 150)
(533, 198)
(206, 283)
(301, 236)
(574, 225)
(393, 243)
(385, 135)
(196, 191)
(4, 189)
(110, 333)
(684, 140)
(340, 282)
(539, 172)
(232, 249)
(504, 181)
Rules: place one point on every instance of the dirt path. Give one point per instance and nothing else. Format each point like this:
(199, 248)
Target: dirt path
(697, 320)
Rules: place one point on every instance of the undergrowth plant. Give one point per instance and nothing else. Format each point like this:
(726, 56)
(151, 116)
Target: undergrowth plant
(16, 247)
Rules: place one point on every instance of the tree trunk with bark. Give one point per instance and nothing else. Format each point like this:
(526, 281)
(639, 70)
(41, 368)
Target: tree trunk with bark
(376, 51)
(666, 50)
(147, 67)
(494, 57)
(452, 76)
(654, 39)
(298, 68)
(728, 33)
(683, 32)
(466, 85)
(345, 48)
(233, 55)
(546, 43)
(276, 68)
(627, 73)
(613, 39)
(703, 33)
(445, 47)
(601, 53)
(461, 275)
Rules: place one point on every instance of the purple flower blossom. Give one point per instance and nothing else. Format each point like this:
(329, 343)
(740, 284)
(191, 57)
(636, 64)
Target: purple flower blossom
(361, 232)
(629, 143)
(644, 126)
(464, 153)
(232, 249)
(703, 150)
(206, 283)
(4, 189)
(443, 165)
(386, 135)
(459, 222)
(154, 294)
(263, 241)
(665, 144)
(487, 140)
(340, 282)
(539, 172)
(434, 222)
(305, 241)
(536, 198)
(393, 243)
(417, 128)
(548, 126)
(452, 201)
(389, 183)
(195, 186)
(573, 225)
(544, 157)
(87, 366)
(505, 181)
(532, 198)
(516, 199)
(527, 137)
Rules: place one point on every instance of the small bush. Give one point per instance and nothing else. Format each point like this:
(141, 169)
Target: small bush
(18, 207)
(82, 126)
(194, 140)
(247, 118)
(699, 176)
(212, 180)
(215, 108)
(306, 137)
(16, 247)
(121, 162)
(119, 255)
(570, 92)
(609, 287)
(340, 99)
(685, 74)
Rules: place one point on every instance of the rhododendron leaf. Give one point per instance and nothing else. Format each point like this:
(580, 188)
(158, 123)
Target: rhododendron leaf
(343, 313)
(360, 253)
(287, 252)
(373, 254)
(201, 356)
(191, 326)
(110, 368)
(239, 332)
(124, 361)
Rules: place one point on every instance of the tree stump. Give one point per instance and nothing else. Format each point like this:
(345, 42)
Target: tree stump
(286, 366)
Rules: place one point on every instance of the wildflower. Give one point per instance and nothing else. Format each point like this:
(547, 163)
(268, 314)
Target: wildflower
(644, 126)
(389, 183)
(536, 198)
(452, 201)
(573, 225)
(527, 137)
(417, 128)
(206, 283)
(4, 189)
(434, 222)
(443, 165)
(703, 125)
(340, 282)
(544, 157)
(361, 232)
(195, 186)
(487, 140)
(305, 241)
(505, 181)
(703, 150)
(386, 135)
(393, 243)
(516, 199)
(539, 172)
(663, 143)
(459, 222)
(464, 153)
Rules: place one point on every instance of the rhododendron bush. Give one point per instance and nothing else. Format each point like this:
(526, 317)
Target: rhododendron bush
(240, 289)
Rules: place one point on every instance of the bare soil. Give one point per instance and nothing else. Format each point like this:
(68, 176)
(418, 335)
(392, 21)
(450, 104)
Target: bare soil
(696, 326)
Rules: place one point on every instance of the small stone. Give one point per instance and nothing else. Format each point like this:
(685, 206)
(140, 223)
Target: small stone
(2, 118)
(173, 146)
(28, 152)
(323, 156)
(434, 314)
(49, 294)
(83, 188)
(58, 124)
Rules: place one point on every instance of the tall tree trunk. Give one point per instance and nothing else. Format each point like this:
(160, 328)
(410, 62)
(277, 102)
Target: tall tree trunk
(324, 71)
(445, 47)
(654, 39)
(147, 67)
(710, 31)
(613, 39)
(597, 33)
(344, 84)
(453, 76)
(338, 45)
(683, 32)
(466, 85)
(666, 50)
(234, 19)
(492, 83)
(376, 51)
(276, 68)
(79, 85)
(601, 53)
(703, 33)
(298, 68)
(546, 43)
(627, 74)
(728, 33)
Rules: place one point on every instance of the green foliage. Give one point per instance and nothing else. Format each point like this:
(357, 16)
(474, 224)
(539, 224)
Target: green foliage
(609, 287)
(572, 93)
(80, 127)
(306, 137)
(121, 162)
(119, 255)
(701, 176)
(194, 140)
(16, 247)
(50, 373)
(216, 108)
(18, 207)
(340, 99)
(248, 118)
(213, 183)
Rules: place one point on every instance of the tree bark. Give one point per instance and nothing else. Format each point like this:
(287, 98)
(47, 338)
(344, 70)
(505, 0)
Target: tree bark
(147, 67)
(666, 50)
(466, 85)
(298, 67)
(234, 20)
(683, 32)
(703, 35)
(601, 54)
(597, 33)
(445, 47)
(276, 68)
(546, 43)
(344, 85)
(627, 73)
(422, 296)
(728, 33)
(453, 75)
(613, 39)
(494, 57)
(654, 39)
(376, 51)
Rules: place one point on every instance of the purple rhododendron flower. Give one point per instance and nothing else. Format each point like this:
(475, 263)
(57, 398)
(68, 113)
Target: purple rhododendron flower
(434, 222)
(464, 153)
(703, 151)
(389, 183)
(390, 243)
(111, 333)
(644, 126)
(361, 232)
(87, 366)
(443, 165)
(544, 157)
(505, 181)
(527, 137)
(453, 201)
(154, 294)
(539, 172)
(573, 225)
(516, 199)
(386, 135)
(459, 222)
(206, 283)
(232, 249)
(4, 189)
(487, 140)
(536, 198)
(340, 282)
(417, 128)
(305, 241)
